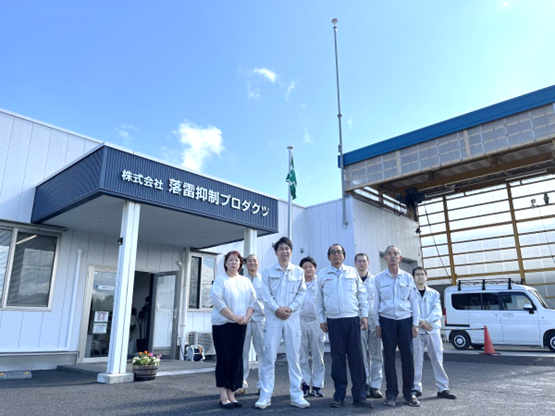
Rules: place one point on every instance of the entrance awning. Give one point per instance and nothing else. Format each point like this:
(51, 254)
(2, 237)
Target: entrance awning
(180, 207)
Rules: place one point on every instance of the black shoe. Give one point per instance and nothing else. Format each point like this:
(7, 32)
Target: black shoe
(227, 406)
(306, 389)
(446, 394)
(390, 401)
(412, 402)
(237, 405)
(418, 393)
(337, 403)
(317, 392)
(363, 403)
(375, 393)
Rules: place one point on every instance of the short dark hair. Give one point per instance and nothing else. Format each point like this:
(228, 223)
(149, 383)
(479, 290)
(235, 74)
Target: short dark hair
(336, 244)
(233, 253)
(283, 240)
(308, 259)
(419, 268)
(362, 254)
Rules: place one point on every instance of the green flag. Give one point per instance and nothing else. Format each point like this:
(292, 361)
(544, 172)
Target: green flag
(292, 180)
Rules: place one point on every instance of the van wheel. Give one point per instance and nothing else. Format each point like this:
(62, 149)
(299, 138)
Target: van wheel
(477, 346)
(549, 340)
(460, 340)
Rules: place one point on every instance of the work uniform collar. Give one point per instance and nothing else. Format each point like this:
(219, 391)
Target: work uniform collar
(289, 267)
(339, 271)
(388, 273)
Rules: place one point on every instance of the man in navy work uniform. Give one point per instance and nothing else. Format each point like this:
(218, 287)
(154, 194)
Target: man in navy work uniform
(429, 336)
(342, 311)
(396, 306)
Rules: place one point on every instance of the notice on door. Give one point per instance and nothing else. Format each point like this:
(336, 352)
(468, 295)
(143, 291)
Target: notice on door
(100, 328)
(101, 316)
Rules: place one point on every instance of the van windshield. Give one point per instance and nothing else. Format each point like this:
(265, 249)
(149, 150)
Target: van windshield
(542, 301)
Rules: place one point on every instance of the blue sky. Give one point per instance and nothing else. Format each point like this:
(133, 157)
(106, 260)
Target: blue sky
(225, 86)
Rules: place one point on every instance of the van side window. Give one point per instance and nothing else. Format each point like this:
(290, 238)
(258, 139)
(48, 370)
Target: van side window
(514, 301)
(475, 301)
(466, 301)
(490, 301)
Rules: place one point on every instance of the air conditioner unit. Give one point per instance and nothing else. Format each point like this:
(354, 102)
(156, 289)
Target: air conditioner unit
(204, 339)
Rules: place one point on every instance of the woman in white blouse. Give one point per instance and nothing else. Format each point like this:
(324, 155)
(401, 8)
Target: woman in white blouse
(233, 296)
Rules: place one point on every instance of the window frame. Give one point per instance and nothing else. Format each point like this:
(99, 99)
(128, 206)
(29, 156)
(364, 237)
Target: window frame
(5, 289)
(201, 256)
(524, 294)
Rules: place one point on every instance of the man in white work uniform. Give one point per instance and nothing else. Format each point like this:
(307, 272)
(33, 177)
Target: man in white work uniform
(312, 336)
(255, 327)
(283, 292)
(371, 344)
(396, 310)
(343, 311)
(429, 324)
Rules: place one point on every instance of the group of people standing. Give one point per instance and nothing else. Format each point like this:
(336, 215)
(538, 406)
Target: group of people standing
(358, 311)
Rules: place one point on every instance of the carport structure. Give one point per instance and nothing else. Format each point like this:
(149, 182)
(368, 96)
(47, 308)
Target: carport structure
(481, 186)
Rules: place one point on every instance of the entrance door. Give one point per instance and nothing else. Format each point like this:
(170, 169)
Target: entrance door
(97, 314)
(165, 313)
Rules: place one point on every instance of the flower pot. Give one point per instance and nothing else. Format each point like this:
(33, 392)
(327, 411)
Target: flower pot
(145, 372)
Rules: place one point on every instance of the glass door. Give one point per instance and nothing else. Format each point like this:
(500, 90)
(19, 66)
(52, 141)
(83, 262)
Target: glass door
(164, 316)
(98, 311)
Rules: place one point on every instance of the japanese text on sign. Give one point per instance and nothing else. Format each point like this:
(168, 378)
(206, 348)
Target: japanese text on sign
(195, 192)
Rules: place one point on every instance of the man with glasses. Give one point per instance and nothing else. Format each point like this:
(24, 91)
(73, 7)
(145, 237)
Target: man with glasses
(343, 311)
(283, 292)
(371, 344)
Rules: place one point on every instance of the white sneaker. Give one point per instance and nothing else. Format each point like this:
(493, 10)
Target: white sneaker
(263, 403)
(300, 403)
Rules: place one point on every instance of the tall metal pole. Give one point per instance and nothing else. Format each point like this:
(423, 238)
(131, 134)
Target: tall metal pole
(339, 116)
(289, 227)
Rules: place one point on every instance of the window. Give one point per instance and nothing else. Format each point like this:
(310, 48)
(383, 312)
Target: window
(203, 273)
(475, 301)
(515, 301)
(27, 263)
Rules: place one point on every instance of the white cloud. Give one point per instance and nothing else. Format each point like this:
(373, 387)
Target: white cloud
(252, 91)
(200, 143)
(266, 73)
(123, 132)
(505, 4)
(350, 123)
(307, 138)
(290, 89)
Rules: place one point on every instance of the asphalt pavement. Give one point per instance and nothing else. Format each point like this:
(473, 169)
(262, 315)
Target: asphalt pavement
(482, 389)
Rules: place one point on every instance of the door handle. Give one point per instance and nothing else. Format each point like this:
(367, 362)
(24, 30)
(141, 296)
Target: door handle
(508, 314)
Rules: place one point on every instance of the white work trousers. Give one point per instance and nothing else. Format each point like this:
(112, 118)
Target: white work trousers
(290, 330)
(312, 344)
(435, 352)
(373, 358)
(255, 334)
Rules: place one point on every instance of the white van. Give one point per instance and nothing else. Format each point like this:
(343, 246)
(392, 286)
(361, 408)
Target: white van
(515, 314)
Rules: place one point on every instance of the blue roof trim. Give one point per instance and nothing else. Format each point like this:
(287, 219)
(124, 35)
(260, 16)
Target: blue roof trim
(465, 121)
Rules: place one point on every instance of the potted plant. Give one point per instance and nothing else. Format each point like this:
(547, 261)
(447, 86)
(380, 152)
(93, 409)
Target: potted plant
(145, 366)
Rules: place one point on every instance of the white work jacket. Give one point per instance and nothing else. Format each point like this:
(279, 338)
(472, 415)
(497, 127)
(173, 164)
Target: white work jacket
(309, 312)
(395, 298)
(256, 281)
(283, 288)
(340, 295)
(430, 310)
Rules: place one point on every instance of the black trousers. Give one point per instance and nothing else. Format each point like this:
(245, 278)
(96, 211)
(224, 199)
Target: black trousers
(228, 341)
(345, 343)
(397, 333)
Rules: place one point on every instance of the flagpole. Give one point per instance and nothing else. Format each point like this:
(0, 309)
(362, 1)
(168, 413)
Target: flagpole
(289, 229)
(339, 115)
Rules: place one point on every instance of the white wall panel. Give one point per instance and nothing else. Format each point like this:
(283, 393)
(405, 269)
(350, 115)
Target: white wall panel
(6, 125)
(14, 171)
(75, 148)
(34, 173)
(57, 150)
(10, 330)
(29, 337)
(142, 255)
(154, 256)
